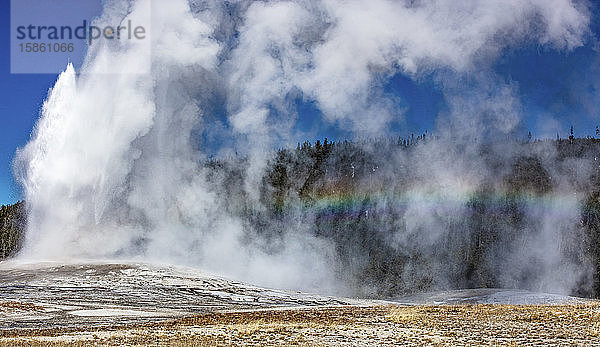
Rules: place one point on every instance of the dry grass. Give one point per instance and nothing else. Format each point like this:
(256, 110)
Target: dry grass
(16, 305)
(348, 325)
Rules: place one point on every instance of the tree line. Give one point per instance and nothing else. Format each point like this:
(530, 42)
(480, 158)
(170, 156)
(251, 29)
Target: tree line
(356, 195)
(12, 228)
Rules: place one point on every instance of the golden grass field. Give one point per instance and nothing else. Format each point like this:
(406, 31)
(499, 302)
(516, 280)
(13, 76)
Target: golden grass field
(345, 325)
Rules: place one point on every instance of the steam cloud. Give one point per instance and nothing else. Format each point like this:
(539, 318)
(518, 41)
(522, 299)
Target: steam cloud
(113, 169)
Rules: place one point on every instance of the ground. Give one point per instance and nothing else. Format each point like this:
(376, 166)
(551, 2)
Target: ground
(140, 304)
(346, 325)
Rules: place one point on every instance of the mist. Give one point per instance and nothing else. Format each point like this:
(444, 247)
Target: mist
(116, 165)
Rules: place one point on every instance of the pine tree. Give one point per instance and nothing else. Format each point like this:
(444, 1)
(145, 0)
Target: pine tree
(572, 136)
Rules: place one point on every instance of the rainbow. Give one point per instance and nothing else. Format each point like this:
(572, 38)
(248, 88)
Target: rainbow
(351, 204)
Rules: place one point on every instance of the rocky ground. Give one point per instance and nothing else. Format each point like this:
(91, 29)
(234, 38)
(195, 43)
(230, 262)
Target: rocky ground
(50, 295)
(141, 304)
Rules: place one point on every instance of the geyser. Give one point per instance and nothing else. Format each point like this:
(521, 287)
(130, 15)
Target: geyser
(116, 166)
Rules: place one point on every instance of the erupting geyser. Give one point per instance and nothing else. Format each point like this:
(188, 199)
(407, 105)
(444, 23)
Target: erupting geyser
(116, 167)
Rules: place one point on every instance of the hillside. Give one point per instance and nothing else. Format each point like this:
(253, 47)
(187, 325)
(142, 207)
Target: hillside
(401, 222)
(12, 226)
(526, 216)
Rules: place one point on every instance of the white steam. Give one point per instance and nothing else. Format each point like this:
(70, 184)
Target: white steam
(113, 168)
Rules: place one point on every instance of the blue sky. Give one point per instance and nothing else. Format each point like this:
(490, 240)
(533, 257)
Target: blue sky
(557, 90)
(21, 97)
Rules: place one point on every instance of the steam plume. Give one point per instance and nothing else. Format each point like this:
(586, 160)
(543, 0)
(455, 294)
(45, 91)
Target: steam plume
(114, 166)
